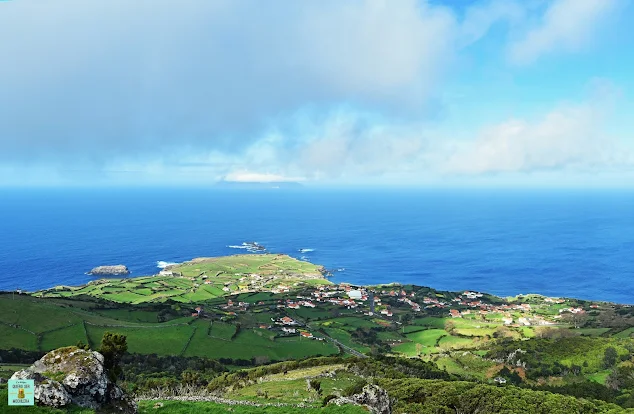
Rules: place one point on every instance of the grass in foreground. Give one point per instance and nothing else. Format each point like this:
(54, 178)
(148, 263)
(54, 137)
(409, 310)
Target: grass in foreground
(186, 407)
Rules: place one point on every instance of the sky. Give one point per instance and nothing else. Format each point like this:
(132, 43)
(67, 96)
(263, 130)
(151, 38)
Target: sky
(510, 93)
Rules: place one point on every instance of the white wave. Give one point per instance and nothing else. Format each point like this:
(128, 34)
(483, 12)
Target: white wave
(306, 250)
(238, 247)
(162, 265)
(341, 269)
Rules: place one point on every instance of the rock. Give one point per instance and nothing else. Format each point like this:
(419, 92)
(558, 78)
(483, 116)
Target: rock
(110, 270)
(73, 375)
(374, 398)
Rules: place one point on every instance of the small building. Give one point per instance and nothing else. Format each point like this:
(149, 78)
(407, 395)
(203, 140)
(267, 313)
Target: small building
(355, 294)
(500, 380)
(288, 321)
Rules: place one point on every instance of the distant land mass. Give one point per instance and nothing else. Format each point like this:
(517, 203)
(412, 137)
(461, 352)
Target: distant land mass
(258, 184)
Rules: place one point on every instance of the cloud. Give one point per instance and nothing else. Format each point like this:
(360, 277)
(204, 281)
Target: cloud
(204, 89)
(93, 81)
(247, 176)
(566, 25)
(570, 136)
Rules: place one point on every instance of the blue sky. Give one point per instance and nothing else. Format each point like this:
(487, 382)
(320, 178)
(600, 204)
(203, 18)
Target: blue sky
(520, 93)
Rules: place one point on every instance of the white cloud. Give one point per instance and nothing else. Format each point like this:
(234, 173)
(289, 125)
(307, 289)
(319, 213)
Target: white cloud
(250, 177)
(571, 136)
(96, 80)
(566, 25)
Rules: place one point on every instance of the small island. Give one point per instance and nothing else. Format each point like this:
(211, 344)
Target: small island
(116, 270)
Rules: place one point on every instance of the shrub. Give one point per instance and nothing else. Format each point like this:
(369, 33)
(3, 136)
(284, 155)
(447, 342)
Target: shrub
(327, 399)
(355, 388)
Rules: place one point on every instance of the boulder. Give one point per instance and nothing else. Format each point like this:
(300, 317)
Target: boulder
(75, 376)
(373, 398)
(116, 270)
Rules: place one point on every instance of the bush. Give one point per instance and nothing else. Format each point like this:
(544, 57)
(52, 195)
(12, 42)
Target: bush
(355, 388)
(315, 384)
(327, 399)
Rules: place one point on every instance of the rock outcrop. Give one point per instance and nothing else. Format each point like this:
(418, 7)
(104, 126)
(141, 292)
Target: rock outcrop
(374, 398)
(116, 270)
(75, 376)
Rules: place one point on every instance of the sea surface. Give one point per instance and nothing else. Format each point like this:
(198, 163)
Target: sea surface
(570, 243)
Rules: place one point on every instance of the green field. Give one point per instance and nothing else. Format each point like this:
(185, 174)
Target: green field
(169, 340)
(63, 337)
(427, 340)
(201, 280)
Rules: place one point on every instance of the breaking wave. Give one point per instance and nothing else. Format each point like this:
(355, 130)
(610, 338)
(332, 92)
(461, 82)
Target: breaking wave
(306, 250)
(162, 265)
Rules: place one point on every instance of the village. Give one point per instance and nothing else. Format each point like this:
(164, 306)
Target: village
(392, 305)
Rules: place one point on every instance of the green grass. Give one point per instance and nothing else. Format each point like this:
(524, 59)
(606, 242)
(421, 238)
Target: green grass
(592, 331)
(6, 370)
(431, 322)
(427, 340)
(28, 312)
(345, 338)
(130, 315)
(17, 338)
(219, 271)
(625, 334)
(291, 388)
(600, 376)
(64, 337)
(222, 330)
(348, 323)
(475, 331)
(427, 337)
(168, 340)
(455, 342)
(256, 343)
(180, 407)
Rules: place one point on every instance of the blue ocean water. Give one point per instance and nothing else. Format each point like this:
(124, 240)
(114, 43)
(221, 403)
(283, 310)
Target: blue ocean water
(559, 243)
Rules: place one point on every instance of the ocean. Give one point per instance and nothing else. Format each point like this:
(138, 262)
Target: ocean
(572, 243)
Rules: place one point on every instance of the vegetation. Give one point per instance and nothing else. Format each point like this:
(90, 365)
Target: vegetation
(258, 328)
(113, 347)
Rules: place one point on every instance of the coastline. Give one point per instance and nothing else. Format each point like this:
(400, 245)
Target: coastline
(325, 275)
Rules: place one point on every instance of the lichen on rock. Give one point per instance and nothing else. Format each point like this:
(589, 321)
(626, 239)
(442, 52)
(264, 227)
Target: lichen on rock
(374, 398)
(75, 376)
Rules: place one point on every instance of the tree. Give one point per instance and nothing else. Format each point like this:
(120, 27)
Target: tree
(113, 347)
(576, 319)
(405, 318)
(82, 345)
(609, 357)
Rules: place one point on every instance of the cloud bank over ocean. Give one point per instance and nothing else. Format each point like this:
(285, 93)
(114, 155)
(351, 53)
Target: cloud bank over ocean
(414, 92)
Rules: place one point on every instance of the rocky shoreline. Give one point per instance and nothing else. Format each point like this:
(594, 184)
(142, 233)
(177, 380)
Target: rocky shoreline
(116, 270)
